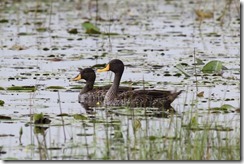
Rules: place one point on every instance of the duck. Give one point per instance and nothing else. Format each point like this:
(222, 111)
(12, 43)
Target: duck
(91, 95)
(161, 99)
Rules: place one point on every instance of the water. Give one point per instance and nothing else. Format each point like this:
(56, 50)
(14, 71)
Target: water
(155, 33)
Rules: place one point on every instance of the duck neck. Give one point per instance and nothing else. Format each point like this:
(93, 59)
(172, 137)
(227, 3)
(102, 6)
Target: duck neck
(88, 86)
(112, 92)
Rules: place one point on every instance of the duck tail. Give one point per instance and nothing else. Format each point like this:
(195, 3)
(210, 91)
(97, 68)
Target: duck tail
(171, 98)
(174, 95)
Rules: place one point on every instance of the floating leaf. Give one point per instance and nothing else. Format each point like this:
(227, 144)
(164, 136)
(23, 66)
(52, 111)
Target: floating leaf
(152, 138)
(98, 121)
(90, 28)
(41, 29)
(22, 88)
(213, 34)
(85, 134)
(36, 10)
(3, 21)
(55, 87)
(55, 59)
(227, 129)
(110, 33)
(1, 102)
(76, 87)
(54, 148)
(199, 61)
(180, 67)
(214, 66)
(177, 74)
(5, 117)
(25, 34)
(62, 114)
(227, 107)
(218, 109)
(73, 31)
(80, 117)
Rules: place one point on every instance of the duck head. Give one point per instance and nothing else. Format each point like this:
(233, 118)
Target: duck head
(87, 74)
(115, 65)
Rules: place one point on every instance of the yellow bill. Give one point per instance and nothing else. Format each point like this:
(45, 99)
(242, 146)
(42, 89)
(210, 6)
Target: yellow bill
(104, 69)
(78, 77)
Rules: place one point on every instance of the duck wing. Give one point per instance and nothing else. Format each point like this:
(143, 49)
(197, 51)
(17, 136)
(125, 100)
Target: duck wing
(120, 90)
(97, 94)
(148, 98)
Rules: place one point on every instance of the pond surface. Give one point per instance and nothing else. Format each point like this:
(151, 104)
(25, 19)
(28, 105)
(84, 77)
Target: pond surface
(153, 37)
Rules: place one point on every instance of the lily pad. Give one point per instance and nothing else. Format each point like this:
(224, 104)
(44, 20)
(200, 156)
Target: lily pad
(25, 34)
(54, 148)
(214, 66)
(1, 102)
(85, 134)
(225, 107)
(76, 87)
(41, 29)
(90, 28)
(181, 68)
(55, 87)
(5, 117)
(98, 121)
(22, 88)
(63, 114)
(152, 138)
(73, 31)
(3, 21)
(199, 61)
(80, 117)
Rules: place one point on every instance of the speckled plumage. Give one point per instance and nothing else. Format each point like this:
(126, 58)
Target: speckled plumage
(135, 98)
(92, 96)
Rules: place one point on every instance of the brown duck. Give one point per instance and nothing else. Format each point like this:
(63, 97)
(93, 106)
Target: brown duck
(92, 95)
(135, 98)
